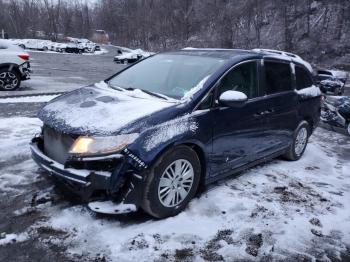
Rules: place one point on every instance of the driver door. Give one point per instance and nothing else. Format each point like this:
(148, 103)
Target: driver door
(238, 132)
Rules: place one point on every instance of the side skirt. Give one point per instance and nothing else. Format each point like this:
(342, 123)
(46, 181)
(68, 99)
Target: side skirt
(245, 167)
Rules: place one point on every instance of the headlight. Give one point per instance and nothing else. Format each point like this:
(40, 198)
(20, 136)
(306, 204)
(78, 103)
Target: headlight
(101, 145)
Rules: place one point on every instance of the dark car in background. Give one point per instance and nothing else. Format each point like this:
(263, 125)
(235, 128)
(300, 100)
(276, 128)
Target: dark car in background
(331, 81)
(336, 112)
(74, 48)
(152, 134)
(332, 85)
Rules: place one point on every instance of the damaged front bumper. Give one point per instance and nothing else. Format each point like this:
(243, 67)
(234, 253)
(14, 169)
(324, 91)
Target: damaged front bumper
(122, 184)
(25, 70)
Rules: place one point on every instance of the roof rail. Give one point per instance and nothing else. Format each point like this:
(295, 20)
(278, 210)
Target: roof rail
(276, 52)
(208, 49)
(295, 57)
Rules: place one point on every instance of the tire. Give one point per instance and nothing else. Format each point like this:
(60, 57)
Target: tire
(10, 80)
(22, 46)
(301, 135)
(348, 128)
(162, 200)
(45, 49)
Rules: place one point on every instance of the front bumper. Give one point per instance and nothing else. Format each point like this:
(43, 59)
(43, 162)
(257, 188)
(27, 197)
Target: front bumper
(122, 184)
(25, 70)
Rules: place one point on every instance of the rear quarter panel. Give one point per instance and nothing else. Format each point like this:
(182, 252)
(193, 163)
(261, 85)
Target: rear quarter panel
(309, 109)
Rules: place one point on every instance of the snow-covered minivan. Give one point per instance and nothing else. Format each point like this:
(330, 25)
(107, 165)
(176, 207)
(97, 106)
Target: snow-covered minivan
(152, 134)
(14, 66)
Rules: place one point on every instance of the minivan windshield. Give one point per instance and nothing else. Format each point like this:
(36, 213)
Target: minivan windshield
(172, 75)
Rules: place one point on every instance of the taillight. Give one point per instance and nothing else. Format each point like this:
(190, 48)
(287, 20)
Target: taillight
(24, 57)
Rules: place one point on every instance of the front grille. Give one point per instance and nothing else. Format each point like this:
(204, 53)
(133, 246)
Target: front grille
(56, 144)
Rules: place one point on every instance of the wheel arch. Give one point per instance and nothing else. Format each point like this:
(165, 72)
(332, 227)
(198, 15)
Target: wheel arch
(202, 159)
(13, 66)
(310, 121)
(197, 148)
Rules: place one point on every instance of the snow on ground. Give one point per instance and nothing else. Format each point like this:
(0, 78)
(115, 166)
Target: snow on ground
(8, 238)
(281, 210)
(15, 134)
(28, 99)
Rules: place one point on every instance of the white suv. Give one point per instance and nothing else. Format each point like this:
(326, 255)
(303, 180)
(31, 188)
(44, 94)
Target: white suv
(14, 66)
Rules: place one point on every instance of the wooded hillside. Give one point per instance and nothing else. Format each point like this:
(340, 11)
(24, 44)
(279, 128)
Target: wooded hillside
(317, 30)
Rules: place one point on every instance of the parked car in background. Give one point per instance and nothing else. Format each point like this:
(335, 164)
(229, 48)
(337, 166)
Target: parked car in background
(132, 56)
(330, 74)
(74, 45)
(14, 66)
(58, 47)
(332, 85)
(336, 112)
(35, 44)
(87, 45)
(332, 81)
(150, 135)
(74, 48)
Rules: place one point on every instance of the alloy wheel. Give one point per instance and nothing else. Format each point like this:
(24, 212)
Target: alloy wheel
(300, 141)
(8, 80)
(175, 183)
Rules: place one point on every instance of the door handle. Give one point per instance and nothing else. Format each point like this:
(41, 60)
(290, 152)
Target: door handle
(259, 114)
(262, 113)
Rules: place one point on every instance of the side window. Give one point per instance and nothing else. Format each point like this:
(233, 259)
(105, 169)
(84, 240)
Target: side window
(242, 78)
(303, 78)
(278, 77)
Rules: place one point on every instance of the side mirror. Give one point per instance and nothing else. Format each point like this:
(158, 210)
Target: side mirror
(233, 98)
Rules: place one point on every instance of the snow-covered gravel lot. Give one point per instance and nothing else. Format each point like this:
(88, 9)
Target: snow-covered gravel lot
(278, 211)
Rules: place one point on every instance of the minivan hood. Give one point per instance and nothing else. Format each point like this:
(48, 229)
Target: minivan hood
(99, 110)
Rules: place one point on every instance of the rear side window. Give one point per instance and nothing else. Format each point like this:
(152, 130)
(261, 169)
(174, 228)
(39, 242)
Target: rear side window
(277, 77)
(303, 79)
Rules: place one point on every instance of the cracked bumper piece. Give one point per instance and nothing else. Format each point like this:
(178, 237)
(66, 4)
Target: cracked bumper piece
(109, 207)
(121, 185)
(83, 177)
(25, 70)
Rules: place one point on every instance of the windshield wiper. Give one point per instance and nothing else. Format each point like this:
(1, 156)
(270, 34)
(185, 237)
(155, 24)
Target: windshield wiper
(116, 87)
(147, 92)
(143, 90)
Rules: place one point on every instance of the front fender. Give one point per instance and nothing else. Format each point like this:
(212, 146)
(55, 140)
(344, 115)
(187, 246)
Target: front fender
(156, 140)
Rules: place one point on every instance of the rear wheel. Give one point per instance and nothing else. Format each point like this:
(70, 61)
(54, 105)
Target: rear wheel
(172, 182)
(300, 140)
(9, 80)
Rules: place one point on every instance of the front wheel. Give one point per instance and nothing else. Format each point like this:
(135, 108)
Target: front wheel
(300, 140)
(9, 80)
(172, 182)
